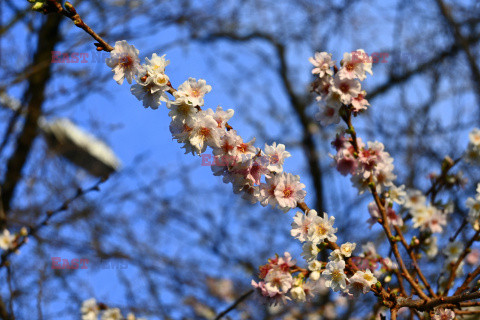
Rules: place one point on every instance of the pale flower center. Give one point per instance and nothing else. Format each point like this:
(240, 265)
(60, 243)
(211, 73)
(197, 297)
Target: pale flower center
(162, 79)
(321, 229)
(368, 277)
(337, 275)
(242, 148)
(196, 93)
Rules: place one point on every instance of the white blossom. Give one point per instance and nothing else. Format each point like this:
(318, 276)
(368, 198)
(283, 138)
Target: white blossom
(89, 309)
(275, 156)
(289, 191)
(443, 314)
(301, 224)
(355, 65)
(454, 250)
(347, 249)
(112, 314)
(124, 62)
(204, 133)
(221, 116)
(193, 91)
(321, 229)
(357, 284)
(323, 64)
(335, 276)
(181, 111)
(473, 205)
(310, 251)
(6, 240)
(347, 89)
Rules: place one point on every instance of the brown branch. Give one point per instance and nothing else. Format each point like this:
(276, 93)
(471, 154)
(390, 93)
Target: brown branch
(403, 291)
(3, 311)
(347, 117)
(393, 244)
(412, 256)
(53, 6)
(423, 305)
(453, 272)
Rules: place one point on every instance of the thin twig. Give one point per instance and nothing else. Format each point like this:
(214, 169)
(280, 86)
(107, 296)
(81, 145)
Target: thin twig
(34, 229)
(234, 305)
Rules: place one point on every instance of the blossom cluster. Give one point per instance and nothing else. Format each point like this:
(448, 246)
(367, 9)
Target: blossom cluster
(312, 230)
(237, 161)
(91, 310)
(425, 216)
(371, 260)
(341, 88)
(277, 281)
(366, 163)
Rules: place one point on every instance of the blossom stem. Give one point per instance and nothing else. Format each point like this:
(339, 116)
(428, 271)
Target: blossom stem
(348, 120)
(412, 256)
(53, 6)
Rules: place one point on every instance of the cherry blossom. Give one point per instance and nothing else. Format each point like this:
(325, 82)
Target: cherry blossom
(289, 191)
(275, 156)
(6, 240)
(124, 62)
(355, 65)
(193, 91)
(323, 64)
(347, 89)
(443, 314)
(335, 276)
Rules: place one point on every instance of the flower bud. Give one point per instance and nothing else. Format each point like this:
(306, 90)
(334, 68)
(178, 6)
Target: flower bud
(315, 275)
(38, 6)
(298, 294)
(23, 232)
